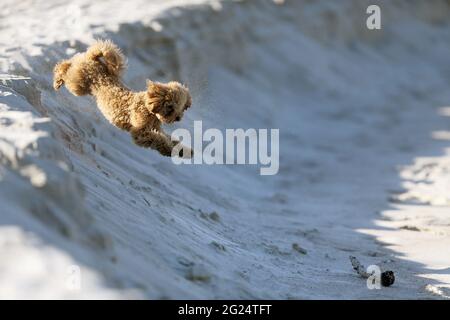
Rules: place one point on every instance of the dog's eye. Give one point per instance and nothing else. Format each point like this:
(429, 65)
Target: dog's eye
(169, 110)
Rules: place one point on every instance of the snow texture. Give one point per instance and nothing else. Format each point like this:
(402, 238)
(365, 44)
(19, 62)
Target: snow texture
(364, 164)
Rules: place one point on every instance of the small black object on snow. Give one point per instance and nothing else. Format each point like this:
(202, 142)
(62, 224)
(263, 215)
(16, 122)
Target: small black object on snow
(387, 277)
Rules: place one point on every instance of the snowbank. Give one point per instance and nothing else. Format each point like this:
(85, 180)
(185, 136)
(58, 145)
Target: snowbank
(80, 201)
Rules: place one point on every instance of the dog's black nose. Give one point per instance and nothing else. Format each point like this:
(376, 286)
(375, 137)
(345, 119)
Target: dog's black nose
(177, 118)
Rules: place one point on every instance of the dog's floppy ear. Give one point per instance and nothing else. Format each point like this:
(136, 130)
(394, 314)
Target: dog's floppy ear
(109, 54)
(58, 73)
(158, 94)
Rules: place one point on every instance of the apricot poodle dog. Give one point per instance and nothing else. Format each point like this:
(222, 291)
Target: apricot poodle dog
(98, 72)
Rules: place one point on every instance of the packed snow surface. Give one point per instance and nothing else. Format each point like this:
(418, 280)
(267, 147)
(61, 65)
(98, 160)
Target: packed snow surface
(364, 159)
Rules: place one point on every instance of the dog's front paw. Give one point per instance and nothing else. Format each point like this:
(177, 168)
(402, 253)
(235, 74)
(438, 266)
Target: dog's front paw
(185, 152)
(182, 151)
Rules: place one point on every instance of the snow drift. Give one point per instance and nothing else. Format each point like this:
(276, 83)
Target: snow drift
(352, 105)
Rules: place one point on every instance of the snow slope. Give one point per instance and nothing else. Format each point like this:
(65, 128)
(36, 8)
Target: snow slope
(363, 165)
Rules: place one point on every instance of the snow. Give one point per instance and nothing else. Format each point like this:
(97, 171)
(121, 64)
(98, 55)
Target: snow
(364, 158)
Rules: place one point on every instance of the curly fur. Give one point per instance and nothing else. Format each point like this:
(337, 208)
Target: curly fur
(98, 72)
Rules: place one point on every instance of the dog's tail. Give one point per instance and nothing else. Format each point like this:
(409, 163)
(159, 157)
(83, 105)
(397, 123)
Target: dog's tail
(109, 54)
